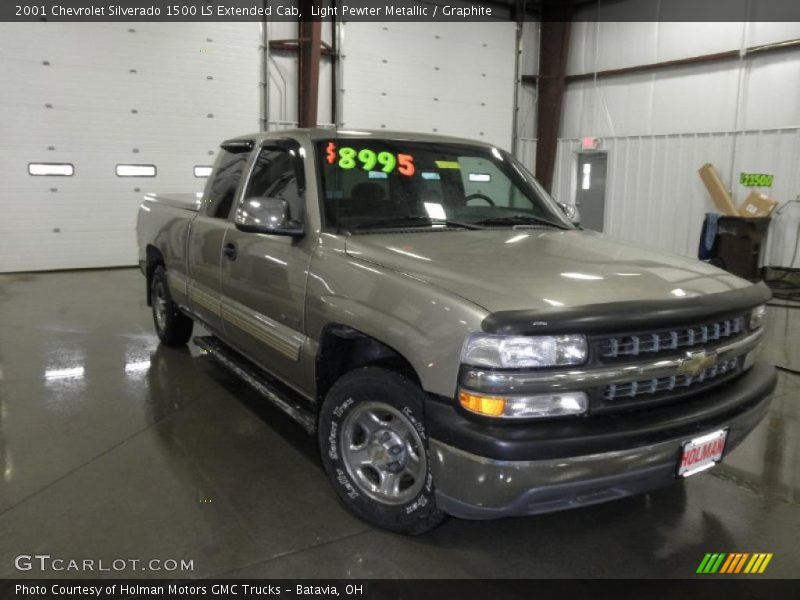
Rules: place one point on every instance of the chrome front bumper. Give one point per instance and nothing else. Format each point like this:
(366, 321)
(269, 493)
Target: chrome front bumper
(473, 487)
(476, 487)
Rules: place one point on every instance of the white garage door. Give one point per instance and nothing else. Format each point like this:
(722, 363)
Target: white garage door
(447, 78)
(101, 99)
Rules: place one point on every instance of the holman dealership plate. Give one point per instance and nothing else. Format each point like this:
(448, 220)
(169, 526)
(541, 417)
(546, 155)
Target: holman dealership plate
(702, 453)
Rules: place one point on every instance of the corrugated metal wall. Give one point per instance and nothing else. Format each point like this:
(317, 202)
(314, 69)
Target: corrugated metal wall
(655, 197)
(100, 94)
(648, 124)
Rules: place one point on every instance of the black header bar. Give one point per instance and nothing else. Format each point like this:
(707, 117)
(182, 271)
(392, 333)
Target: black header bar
(707, 587)
(399, 10)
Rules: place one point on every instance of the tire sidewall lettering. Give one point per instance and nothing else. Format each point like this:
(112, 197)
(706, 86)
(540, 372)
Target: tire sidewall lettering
(333, 439)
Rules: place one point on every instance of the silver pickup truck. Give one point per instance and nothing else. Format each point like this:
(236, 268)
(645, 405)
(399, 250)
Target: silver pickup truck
(455, 342)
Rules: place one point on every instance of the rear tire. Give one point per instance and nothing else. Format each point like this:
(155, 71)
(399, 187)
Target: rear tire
(172, 326)
(375, 450)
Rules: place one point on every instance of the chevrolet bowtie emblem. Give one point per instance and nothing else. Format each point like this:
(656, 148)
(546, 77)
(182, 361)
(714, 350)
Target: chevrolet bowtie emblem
(697, 362)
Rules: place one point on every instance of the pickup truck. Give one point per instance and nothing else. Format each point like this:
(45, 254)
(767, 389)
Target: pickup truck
(457, 344)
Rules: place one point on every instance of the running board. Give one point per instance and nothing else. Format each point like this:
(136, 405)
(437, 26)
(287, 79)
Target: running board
(259, 380)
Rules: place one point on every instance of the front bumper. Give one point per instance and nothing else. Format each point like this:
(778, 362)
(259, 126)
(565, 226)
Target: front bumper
(484, 471)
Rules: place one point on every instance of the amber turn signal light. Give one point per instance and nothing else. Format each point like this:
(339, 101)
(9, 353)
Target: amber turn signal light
(491, 406)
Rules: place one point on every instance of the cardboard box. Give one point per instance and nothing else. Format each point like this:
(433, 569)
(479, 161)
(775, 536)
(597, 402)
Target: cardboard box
(719, 193)
(757, 205)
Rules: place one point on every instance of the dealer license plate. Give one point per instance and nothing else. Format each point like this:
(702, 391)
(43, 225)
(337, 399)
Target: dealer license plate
(702, 453)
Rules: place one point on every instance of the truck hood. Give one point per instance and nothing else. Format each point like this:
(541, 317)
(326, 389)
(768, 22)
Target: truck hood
(516, 269)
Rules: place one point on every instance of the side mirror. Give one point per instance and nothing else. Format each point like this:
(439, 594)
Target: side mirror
(266, 215)
(571, 212)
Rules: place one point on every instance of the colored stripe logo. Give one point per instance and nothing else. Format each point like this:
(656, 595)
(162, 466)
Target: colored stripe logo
(734, 562)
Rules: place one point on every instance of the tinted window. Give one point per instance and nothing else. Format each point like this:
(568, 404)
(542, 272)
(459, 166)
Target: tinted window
(221, 188)
(274, 176)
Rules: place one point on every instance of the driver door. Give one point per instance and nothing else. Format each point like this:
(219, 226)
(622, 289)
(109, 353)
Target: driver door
(264, 275)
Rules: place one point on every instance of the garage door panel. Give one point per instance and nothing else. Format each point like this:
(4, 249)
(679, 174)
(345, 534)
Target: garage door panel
(162, 47)
(70, 88)
(97, 172)
(50, 251)
(483, 123)
(48, 213)
(82, 129)
(117, 102)
(456, 87)
(458, 80)
(194, 85)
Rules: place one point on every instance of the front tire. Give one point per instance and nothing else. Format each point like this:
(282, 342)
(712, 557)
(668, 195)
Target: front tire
(172, 326)
(375, 450)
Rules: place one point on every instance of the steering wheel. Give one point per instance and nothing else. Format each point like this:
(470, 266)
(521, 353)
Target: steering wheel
(479, 197)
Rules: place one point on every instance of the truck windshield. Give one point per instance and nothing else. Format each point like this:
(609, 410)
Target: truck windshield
(371, 184)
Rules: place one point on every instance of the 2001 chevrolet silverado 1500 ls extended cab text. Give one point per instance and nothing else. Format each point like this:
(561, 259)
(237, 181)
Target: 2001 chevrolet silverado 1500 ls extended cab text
(458, 346)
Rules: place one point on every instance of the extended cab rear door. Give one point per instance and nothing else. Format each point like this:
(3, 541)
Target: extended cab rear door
(264, 275)
(207, 233)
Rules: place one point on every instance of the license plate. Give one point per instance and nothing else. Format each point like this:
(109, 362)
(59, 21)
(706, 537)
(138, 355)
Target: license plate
(702, 453)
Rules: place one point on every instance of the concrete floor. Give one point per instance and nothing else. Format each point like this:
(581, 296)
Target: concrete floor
(113, 447)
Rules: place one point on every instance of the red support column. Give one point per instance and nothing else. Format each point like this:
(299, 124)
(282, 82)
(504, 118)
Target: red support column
(554, 50)
(310, 48)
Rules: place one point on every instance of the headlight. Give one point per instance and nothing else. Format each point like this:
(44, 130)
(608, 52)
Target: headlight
(757, 316)
(534, 406)
(513, 352)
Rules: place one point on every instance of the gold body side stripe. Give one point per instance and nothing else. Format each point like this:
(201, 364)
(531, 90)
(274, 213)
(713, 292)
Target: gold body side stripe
(263, 329)
(276, 336)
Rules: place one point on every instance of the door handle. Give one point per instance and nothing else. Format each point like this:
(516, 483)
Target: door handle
(230, 251)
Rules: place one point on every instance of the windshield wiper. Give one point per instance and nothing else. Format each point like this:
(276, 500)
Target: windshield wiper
(401, 222)
(518, 220)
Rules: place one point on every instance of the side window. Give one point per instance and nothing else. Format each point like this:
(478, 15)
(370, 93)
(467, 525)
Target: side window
(221, 188)
(274, 176)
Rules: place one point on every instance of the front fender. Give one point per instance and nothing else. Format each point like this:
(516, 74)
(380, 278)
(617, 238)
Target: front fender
(425, 324)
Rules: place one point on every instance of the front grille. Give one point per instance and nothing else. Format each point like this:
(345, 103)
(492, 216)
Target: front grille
(659, 342)
(664, 385)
